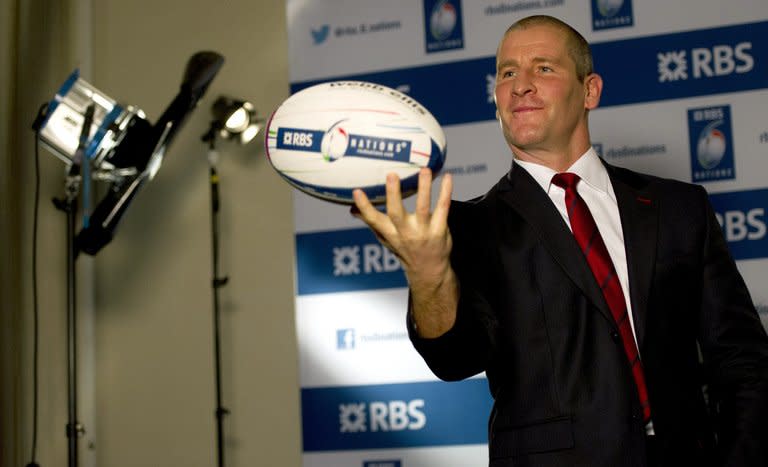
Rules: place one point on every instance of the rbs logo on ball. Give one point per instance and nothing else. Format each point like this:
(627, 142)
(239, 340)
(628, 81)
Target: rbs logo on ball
(299, 139)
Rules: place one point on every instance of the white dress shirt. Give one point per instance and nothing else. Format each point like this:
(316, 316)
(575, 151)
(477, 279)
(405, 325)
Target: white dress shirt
(596, 189)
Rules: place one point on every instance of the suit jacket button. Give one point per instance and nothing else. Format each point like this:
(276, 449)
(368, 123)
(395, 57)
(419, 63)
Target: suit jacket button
(615, 336)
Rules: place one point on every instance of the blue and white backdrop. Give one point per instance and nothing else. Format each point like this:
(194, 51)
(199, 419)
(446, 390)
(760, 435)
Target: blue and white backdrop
(686, 93)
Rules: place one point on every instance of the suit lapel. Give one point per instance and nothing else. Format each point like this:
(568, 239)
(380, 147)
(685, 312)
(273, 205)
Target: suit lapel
(519, 190)
(638, 210)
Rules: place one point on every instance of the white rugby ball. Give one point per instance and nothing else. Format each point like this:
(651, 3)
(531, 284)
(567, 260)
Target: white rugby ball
(331, 138)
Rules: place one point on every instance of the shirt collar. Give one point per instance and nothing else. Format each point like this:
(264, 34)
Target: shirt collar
(588, 167)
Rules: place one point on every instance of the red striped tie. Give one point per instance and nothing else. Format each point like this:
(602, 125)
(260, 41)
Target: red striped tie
(591, 243)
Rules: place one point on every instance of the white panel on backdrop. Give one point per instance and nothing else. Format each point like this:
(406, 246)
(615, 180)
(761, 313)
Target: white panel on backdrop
(451, 456)
(653, 137)
(327, 38)
(356, 338)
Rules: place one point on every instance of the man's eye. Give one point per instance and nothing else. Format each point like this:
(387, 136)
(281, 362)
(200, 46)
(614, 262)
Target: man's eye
(546, 68)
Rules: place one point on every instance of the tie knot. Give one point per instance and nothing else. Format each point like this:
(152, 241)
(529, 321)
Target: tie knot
(566, 180)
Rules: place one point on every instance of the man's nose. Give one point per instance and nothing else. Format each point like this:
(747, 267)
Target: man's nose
(523, 84)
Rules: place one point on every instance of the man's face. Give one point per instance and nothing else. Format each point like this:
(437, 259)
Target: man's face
(541, 103)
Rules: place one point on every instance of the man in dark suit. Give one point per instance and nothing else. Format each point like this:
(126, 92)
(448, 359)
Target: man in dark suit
(603, 304)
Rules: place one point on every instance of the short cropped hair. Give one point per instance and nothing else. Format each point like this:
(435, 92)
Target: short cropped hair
(578, 47)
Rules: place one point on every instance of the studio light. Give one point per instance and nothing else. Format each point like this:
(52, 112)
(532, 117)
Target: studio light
(118, 144)
(100, 139)
(64, 118)
(234, 119)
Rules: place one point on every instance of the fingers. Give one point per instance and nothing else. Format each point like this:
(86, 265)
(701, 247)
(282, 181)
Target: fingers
(423, 195)
(396, 216)
(440, 214)
(380, 224)
(365, 210)
(363, 206)
(395, 209)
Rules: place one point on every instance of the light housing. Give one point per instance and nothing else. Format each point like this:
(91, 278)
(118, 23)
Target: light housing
(123, 148)
(235, 119)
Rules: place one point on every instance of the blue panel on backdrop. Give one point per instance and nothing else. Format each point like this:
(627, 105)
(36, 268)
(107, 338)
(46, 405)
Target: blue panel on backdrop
(742, 214)
(395, 415)
(668, 66)
(685, 64)
(344, 261)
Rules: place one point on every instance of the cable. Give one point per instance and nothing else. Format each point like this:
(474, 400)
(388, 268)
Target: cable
(35, 312)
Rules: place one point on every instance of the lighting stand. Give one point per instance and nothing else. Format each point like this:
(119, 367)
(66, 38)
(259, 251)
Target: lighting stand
(74, 428)
(217, 283)
(68, 204)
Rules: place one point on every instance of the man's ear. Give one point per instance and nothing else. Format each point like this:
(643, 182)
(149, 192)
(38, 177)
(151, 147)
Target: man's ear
(593, 88)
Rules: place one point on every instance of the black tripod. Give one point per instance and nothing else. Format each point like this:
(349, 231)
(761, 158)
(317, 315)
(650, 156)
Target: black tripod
(216, 283)
(68, 204)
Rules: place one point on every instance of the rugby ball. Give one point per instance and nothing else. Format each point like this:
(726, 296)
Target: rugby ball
(330, 138)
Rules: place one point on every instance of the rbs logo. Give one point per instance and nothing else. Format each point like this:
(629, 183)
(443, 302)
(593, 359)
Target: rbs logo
(742, 216)
(741, 225)
(720, 60)
(345, 260)
(374, 258)
(382, 416)
(298, 139)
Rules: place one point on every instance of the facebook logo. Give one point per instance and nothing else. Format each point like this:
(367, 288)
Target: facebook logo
(345, 339)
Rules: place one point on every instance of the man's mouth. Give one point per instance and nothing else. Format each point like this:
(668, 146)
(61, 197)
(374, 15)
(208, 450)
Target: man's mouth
(525, 109)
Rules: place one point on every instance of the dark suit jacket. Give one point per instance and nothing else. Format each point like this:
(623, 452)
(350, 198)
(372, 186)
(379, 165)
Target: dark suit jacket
(533, 318)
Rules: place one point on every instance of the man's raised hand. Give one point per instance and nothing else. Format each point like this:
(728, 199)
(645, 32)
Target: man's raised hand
(422, 242)
(420, 239)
